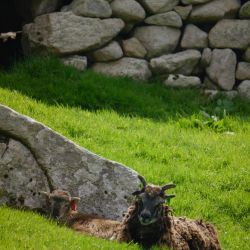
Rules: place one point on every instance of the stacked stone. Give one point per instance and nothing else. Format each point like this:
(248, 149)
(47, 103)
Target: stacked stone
(198, 43)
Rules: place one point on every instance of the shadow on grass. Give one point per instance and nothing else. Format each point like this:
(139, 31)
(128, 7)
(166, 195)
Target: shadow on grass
(53, 83)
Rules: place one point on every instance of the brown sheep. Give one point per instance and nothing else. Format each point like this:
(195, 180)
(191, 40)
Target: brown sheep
(63, 208)
(149, 222)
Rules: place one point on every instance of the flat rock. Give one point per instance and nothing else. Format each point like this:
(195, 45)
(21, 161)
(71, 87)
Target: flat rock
(133, 48)
(214, 11)
(195, 1)
(110, 52)
(170, 18)
(194, 37)
(244, 89)
(137, 69)
(230, 34)
(159, 6)
(78, 62)
(179, 63)
(243, 71)
(89, 8)
(222, 68)
(63, 33)
(128, 10)
(182, 81)
(183, 11)
(245, 11)
(39, 158)
(246, 55)
(158, 40)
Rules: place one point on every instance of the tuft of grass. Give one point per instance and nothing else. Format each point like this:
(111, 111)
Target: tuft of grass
(166, 135)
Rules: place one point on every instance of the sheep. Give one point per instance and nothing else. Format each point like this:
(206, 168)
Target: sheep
(63, 208)
(149, 222)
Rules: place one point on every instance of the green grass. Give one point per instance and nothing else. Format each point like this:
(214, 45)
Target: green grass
(164, 134)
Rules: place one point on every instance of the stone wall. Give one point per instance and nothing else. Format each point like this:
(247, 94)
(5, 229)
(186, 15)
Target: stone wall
(199, 43)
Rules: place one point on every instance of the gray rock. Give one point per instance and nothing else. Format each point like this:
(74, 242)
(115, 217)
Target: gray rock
(79, 62)
(110, 52)
(159, 6)
(194, 38)
(64, 33)
(195, 1)
(180, 63)
(183, 11)
(158, 40)
(128, 10)
(104, 186)
(29, 9)
(214, 11)
(212, 94)
(222, 68)
(170, 18)
(246, 55)
(245, 11)
(133, 48)
(243, 71)
(244, 89)
(230, 34)
(182, 81)
(206, 57)
(210, 85)
(137, 69)
(89, 8)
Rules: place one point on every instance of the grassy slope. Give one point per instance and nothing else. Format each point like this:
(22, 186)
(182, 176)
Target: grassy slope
(159, 132)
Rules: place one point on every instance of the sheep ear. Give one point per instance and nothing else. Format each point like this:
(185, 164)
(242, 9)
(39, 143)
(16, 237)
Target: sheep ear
(137, 193)
(45, 193)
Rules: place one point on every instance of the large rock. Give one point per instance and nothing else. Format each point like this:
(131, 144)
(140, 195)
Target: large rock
(245, 11)
(182, 81)
(214, 11)
(110, 52)
(194, 37)
(64, 33)
(230, 34)
(206, 57)
(89, 8)
(246, 55)
(244, 89)
(195, 1)
(137, 69)
(39, 158)
(222, 68)
(183, 11)
(170, 18)
(243, 71)
(133, 48)
(159, 6)
(78, 62)
(158, 40)
(180, 63)
(128, 10)
(29, 9)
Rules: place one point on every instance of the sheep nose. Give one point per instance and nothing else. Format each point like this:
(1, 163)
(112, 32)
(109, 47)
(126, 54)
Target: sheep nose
(145, 215)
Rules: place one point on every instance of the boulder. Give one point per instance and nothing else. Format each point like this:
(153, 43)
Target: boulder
(89, 8)
(230, 34)
(78, 62)
(214, 11)
(222, 68)
(159, 6)
(183, 11)
(158, 40)
(170, 18)
(128, 10)
(110, 52)
(206, 57)
(133, 48)
(245, 11)
(179, 63)
(182, 81)
(194, 38)
(39, 158)
(64, 33)
(246, 55)
(244, 89)
(243, 71)
(134, 68)
(195, 1)
(210, 85)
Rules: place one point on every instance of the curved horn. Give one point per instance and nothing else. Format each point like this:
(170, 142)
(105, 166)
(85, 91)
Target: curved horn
(143, 181)
(168, 186)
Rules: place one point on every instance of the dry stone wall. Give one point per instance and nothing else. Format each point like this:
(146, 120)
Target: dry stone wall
(202, 43)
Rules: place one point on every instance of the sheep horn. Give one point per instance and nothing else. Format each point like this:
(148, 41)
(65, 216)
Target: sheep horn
(143, 181)
(168, 186)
